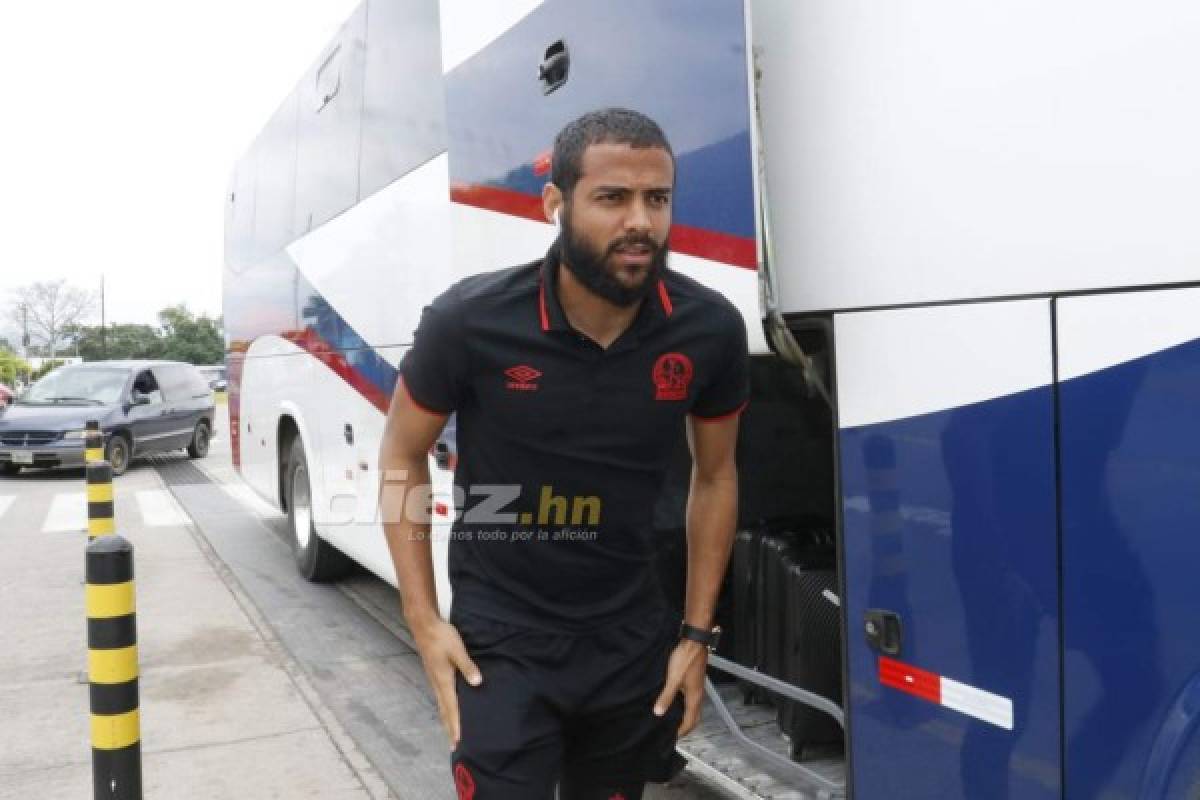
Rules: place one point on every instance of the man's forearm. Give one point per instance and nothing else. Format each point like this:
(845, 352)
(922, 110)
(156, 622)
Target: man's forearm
(711, 519)
(409, 539)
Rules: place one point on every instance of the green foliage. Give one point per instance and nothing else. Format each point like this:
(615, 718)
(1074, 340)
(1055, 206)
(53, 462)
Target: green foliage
(180, 336)
(45, 369)
(190, 338)
(11, 365)
(119, 341)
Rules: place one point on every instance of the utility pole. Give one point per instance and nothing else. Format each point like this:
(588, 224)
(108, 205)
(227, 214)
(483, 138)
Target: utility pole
(25, 340)
(103, 329)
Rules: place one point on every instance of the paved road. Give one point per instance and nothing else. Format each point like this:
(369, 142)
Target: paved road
(344, 644)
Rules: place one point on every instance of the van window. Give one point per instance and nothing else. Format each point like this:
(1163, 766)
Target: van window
(181, 382)
(146, 383)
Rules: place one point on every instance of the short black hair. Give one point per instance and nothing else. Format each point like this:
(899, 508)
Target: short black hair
(606, 125)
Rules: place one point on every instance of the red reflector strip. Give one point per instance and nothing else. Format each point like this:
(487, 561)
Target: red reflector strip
(441, 509)
(897, 675)
(991, 708)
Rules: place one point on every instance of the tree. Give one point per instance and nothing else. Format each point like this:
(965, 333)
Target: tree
(45, 369)
(191, 338)
(12, 367)
(49, 308)
(119, 341)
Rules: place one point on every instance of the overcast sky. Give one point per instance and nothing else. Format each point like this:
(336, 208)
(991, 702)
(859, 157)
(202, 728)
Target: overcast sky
(121, 124)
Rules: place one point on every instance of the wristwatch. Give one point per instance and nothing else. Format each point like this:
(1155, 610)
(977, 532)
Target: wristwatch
(707, 638)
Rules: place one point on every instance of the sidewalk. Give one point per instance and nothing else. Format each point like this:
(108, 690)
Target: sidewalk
(223, 712)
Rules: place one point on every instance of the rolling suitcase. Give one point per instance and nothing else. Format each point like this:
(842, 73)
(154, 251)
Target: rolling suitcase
(813, 654)
(772, 600)
(745, 603)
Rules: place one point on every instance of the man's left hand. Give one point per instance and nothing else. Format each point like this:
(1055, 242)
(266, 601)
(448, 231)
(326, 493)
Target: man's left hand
(685, 672)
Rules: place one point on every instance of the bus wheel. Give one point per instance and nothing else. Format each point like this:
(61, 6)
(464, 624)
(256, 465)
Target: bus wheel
(317, 560)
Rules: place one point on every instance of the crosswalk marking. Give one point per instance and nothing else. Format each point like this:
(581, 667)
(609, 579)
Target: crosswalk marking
(159, 509)
(6, 502)
(68, 512)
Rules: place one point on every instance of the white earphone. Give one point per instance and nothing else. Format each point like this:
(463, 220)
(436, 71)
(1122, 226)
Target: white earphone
(557, 219)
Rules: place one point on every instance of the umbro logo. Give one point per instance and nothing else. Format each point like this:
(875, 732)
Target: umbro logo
(522, 377)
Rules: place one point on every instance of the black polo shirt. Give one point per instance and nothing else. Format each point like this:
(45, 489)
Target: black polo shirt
(563, 445)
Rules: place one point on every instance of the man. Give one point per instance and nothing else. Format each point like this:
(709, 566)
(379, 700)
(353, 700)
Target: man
(572, 377)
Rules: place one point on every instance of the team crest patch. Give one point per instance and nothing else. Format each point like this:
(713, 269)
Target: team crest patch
(672, 375)
(464, 782)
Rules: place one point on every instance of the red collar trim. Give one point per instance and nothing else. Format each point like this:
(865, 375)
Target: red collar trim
(542, 304)
(664, 297)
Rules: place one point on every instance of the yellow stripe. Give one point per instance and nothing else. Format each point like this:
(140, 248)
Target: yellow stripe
(115, 731)
(119, 665)
(101, 526)
(99, 493)
(96, 454)
(106, 600)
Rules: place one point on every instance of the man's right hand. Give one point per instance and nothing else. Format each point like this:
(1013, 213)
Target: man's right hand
(443, 652)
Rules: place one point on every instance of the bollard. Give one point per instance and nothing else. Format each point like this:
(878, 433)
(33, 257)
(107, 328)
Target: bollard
(93, 442)
(100, 499)
(113, 670)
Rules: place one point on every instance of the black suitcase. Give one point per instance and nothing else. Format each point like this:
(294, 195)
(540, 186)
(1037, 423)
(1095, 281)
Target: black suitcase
(745, 607)
(772, 600)
(812, 623)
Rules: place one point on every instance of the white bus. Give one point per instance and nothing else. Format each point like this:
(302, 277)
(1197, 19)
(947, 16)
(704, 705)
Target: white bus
(963, 238)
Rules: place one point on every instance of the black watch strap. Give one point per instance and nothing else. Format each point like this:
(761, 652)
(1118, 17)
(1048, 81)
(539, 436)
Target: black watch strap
(708, 638)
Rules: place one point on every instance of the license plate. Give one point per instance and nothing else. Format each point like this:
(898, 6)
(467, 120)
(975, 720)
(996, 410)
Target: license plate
(22, 458)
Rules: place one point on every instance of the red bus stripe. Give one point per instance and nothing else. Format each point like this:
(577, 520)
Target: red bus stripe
(737, 251)
(310, 341)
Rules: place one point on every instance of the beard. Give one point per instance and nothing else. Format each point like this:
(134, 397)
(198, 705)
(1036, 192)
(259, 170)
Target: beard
(593, 269)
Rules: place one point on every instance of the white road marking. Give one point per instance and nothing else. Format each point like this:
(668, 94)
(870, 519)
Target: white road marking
(6, 502)
(159, 509)
(68, 512)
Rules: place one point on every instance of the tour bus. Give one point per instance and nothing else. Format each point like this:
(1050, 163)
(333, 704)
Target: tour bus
(963, 239)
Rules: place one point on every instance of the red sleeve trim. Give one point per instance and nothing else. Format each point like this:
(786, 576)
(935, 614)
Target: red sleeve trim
(418, 403)
(720, 417)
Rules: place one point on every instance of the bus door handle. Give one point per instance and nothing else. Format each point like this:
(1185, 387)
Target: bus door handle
(884, 631)
(556, 65)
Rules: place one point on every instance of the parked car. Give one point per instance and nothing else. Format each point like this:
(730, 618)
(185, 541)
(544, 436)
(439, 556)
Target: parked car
(215, 375)
(142, 407)
(6, 395)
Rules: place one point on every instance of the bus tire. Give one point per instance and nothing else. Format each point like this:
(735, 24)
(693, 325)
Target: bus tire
(316, 559)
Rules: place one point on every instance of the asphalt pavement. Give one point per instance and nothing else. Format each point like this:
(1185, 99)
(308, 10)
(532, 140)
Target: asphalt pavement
(254, 683)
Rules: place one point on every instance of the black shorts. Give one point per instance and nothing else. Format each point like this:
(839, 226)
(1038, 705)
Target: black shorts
(575, 710)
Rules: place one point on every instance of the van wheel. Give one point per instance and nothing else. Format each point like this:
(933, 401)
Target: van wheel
(117, 454)
(200, 438)
(317, 559)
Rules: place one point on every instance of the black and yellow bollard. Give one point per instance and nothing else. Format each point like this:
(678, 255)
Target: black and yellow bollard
(100, 499)
(113, 670)
(93, 442)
